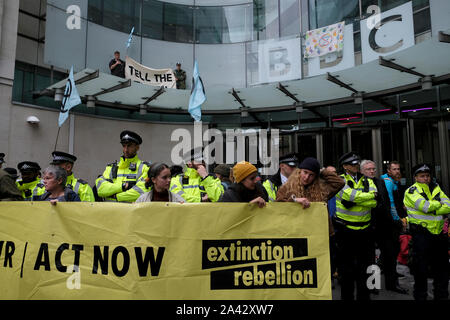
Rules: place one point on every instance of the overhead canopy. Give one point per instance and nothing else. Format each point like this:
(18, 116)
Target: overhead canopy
(430, 58)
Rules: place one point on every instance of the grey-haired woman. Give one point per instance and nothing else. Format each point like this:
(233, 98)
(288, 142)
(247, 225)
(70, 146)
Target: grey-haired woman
(54, 179)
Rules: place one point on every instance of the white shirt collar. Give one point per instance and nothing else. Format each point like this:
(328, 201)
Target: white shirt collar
(283, 179)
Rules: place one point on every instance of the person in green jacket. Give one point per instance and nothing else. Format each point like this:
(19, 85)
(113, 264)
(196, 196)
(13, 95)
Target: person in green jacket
(427, 206)
(79, 186)
(195, 184)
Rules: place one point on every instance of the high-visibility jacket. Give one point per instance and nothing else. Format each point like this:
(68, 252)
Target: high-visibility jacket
(109, 184)
(271, 185)
(426, 206)
(192, 187)
(81, 188)
(271, 189)
(355, 201)
(31, 189)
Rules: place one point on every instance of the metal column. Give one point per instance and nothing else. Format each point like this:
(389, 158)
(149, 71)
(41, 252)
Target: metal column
(349, 139)
(444, 148)
(319, 148)
(377, 151)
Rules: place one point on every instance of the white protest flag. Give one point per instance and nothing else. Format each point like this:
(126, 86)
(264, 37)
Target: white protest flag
(154, 77)
(71, 99)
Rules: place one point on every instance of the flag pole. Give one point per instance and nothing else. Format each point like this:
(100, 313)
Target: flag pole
(57, 135)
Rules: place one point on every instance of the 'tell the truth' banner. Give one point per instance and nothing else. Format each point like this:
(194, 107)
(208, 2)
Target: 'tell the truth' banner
(163, 251)
(154, 77)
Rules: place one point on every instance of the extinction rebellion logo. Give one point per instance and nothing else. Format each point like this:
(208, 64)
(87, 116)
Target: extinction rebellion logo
(259, 263)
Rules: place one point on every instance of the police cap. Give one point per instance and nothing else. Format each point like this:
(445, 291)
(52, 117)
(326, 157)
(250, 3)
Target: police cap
(28, 166)
(349, 158)
(2, 156)
(290, 159)
(420, 168)
(195, 154)
(61, 157)
(130, 136)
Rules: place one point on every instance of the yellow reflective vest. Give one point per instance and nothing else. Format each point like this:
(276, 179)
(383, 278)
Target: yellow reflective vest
(355, 201)
(271, 189)
(31, 190)
(109, 184)
(81, 188)
(192, 187)
(427, 207)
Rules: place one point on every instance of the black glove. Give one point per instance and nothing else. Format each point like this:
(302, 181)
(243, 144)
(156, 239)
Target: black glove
(127, 185)
(348, 204)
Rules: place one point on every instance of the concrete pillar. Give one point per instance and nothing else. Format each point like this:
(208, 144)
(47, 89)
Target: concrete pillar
(9, 17)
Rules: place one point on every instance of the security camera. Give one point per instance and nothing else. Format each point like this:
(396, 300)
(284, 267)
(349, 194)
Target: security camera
(33, 120)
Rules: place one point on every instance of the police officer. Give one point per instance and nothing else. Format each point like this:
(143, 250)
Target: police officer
(427, 205)
(195, 184)
(124, 181)
(79, 186)
(30, 185)
(288, 164)
(2, 159)
(180, 77)
(354, 238)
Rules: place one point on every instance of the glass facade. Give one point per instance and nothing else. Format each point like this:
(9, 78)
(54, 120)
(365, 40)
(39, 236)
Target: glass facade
(264, 19)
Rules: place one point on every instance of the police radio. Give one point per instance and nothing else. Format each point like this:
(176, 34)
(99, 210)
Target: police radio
(132, 166)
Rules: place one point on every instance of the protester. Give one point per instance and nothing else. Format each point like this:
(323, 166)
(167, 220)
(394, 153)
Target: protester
(30, 184)
(310, 184)
(427, 205)
(124, 181)
(81, 187)
(117, 66)
(180, 77)
(195, 184)
(54, 179)
(222, 172)
(8, 188)
(245, 188)
(158, 181)
(287, 165)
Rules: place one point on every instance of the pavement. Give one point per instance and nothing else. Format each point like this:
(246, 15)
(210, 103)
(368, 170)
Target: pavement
(406, 282)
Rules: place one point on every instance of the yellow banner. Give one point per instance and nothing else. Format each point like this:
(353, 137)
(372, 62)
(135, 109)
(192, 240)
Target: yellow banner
(163, 251)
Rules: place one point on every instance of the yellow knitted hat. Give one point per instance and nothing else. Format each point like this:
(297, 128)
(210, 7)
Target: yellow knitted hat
(242, 170)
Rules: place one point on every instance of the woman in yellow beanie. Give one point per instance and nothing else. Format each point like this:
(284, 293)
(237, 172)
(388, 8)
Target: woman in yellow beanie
(246, 186)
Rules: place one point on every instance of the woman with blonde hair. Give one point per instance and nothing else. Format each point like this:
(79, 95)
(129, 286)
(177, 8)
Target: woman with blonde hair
(310, 184)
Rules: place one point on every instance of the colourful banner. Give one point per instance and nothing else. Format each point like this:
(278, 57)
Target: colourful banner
(163, 251)
(324, 40)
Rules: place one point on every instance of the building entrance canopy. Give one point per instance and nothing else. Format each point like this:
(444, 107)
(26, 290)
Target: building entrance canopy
(416, 67)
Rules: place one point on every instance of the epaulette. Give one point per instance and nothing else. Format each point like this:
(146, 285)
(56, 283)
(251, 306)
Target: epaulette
(412, 189)
(148, 163)
(40, 185)
(82, 181)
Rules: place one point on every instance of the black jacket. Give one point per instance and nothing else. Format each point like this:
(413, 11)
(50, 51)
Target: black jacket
(238, 193)
(69, 196)
(381, 215)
